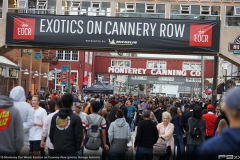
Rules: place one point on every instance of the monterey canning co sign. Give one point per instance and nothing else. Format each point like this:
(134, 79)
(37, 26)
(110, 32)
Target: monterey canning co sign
(155, 72)
(113, 33)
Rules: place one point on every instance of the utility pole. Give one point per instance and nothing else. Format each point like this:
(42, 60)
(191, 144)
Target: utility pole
(69, 77)
(202, 78)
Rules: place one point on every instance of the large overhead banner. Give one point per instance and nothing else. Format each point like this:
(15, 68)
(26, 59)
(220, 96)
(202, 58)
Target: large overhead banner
(112, 33)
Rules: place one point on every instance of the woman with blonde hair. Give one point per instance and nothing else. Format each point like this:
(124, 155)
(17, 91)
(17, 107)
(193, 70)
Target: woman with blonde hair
(221, 126)
(165, 132)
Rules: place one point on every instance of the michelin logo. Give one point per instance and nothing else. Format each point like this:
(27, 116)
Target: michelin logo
(113, 42)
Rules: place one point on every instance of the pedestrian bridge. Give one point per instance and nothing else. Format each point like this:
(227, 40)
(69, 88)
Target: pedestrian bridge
(227, 34)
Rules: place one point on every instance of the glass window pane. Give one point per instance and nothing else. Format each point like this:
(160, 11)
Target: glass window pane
(195, 9)
(120, 7)
(160, 8)
(67, 56)
(175, 9)
(140, 7)
(215, 10)
(230, 11)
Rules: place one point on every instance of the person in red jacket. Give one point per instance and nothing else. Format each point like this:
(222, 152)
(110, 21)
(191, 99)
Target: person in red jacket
(211, 120)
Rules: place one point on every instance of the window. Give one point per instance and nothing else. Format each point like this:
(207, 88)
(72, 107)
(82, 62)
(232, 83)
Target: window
(193, 79)
(198, 12)
(86, 57)
(90, 57)
(1, 8)
(145, 10)
(87, 8)
(67, 55)
(232, 16)
(166, 78)
(32, 6)
(156, 65)
(191, 66)
(121, 63)
(139, 77)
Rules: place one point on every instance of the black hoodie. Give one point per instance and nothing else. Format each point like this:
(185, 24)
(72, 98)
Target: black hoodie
(66, 132)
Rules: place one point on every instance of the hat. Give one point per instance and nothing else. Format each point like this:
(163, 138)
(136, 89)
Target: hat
(210, 107)
(232, 99)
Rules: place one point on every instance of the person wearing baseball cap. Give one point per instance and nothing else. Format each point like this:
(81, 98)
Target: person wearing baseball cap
(211, 120)
(228, 143)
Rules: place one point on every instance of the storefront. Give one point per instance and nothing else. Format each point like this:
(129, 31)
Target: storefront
(9, 73)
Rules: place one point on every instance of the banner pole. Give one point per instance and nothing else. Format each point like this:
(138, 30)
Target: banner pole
(69, 77)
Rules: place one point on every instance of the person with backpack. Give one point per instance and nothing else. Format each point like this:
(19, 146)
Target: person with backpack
(197, 127)
(95, 132)
(119, 135)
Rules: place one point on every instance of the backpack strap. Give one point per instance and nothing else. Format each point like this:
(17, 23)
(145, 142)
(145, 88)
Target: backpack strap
(89, 119)
(99, 121)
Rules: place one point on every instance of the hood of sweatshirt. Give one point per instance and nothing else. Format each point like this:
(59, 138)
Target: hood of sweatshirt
(18, 94)
(120, 122)
(64, 112)
(5, 102)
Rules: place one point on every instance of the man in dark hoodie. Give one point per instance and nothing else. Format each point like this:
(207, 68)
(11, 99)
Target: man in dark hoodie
(66, 132)
(11, 126)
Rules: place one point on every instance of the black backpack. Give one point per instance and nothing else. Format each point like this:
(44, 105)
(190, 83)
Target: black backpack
(195, 131)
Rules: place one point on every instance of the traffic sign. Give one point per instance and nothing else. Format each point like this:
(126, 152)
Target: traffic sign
(208, 91)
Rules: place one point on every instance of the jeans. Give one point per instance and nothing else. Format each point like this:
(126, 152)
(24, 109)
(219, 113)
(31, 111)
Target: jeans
(129, 120)
(117, 156)
(51, 152)
(133, 125)
(181, 145)
(193, 150)
(144, 153)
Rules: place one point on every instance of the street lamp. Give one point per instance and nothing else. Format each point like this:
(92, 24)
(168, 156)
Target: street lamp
(25, 71)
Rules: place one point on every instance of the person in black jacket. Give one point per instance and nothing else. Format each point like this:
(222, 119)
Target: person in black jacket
(147, 136)
(187, 116)
(66, 132)
(114, 110)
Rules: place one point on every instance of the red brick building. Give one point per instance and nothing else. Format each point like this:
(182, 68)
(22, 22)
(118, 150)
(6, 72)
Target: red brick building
(82, 64)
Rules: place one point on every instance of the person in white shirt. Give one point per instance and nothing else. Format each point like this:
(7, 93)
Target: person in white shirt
(78, 111)
(46, 129)
(35, 133)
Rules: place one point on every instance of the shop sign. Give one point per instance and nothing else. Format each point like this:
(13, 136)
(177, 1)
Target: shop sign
(235, 46)
(155, 72)
(113, 33)
(38, 55)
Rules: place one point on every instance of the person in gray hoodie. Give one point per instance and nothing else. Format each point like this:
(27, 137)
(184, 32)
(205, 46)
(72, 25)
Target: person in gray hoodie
(11, 126)
(27, 114)
(119, 135)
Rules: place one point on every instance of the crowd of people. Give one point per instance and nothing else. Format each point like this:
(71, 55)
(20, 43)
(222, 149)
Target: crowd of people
(102, 125)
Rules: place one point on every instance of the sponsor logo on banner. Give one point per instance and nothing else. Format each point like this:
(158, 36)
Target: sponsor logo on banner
(5, 119)
(200, 35)
(113, 42)
(24, 28)
(235, 46)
